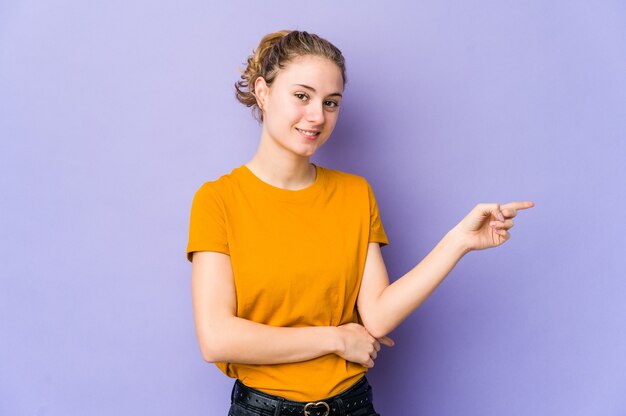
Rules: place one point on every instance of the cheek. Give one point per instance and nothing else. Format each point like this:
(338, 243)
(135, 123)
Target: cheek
(331, 119)
(286, 112)
(294, 112)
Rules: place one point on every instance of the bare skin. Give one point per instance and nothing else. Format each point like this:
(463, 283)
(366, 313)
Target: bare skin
(306, 95)
(383, 306)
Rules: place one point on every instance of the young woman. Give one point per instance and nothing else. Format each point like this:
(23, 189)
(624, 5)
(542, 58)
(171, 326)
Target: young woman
(290, 292)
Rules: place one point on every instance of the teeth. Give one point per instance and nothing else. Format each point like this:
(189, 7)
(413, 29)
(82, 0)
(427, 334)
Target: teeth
(307, 132)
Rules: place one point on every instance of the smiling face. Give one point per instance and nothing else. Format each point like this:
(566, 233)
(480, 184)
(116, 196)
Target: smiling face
(304, 97)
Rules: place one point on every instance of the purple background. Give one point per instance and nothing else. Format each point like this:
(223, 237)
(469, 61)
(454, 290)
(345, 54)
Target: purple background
(112, 114)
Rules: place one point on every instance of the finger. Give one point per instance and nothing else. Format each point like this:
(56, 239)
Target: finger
(497, 212)
(377, 346)
(487, 210)
(387, 341)
(509, 212)
(501, 225)
(503, 233)
(518, 205)
(374, 354)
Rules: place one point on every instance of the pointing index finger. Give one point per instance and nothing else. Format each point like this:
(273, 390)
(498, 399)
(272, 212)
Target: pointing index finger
(518, 205)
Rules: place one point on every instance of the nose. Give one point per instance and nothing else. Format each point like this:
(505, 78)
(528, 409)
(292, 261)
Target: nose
(315, 113)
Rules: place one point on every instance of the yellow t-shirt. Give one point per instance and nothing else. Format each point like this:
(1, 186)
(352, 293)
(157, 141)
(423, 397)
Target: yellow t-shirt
(298, 258)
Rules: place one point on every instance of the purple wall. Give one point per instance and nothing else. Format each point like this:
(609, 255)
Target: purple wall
(113, 114)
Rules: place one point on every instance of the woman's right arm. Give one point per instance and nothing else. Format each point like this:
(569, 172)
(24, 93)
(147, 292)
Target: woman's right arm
(224, 337)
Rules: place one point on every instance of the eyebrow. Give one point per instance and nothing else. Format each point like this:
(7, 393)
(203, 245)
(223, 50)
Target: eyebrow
(313, 89)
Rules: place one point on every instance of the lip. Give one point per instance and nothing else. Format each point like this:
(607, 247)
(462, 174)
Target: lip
(309, 137)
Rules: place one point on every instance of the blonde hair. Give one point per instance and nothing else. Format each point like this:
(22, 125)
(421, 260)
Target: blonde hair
(274, 52)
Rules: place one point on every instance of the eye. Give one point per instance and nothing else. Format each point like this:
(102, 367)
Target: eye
(300, 94)
(332, 104)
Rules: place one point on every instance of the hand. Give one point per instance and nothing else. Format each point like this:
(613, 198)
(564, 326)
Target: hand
(358, 346)
(486, 225)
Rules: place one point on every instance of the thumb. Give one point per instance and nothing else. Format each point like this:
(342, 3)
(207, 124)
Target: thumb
(498, 212)
(487, 210)
(387, 341)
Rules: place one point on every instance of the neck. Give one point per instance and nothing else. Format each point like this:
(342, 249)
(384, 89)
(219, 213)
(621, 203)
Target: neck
(288, 172)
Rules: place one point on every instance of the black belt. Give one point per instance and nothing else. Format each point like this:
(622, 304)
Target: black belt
(357, 396)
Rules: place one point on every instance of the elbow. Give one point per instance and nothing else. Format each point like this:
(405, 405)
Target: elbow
(216, 340)
(212, 354)
(208, 355)
(377, 331)
(212, 348)
(375, 327)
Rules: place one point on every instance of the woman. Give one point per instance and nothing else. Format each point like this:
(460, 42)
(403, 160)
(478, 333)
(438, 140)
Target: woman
(290, 292)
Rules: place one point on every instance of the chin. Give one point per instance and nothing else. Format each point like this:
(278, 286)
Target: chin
(306, 153)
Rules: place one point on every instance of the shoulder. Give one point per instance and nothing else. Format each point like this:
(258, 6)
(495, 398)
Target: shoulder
(216, 191)
(346, 178)
(357, 187)
(220, 185)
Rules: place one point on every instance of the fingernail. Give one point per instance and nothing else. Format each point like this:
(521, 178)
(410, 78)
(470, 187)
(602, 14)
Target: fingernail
(500, 216)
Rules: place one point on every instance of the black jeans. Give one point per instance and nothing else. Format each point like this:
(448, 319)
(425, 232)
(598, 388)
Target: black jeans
(356, 400)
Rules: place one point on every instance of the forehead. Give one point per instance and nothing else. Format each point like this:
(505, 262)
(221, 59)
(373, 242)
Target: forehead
(320, 73)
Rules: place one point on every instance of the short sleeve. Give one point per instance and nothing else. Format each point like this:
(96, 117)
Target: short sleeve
(207, 223)
(377, 232)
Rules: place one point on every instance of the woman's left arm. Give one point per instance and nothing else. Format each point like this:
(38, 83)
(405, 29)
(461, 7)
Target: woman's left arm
(383, 306)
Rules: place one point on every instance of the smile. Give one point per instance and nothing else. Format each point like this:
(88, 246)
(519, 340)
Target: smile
(309, 133)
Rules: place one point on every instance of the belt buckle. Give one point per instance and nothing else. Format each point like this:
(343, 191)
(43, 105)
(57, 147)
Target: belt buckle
(306, 406)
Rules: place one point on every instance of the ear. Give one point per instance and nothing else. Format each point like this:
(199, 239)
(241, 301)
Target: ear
(260, 91)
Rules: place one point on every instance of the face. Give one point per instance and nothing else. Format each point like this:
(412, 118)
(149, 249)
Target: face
(305, 96)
